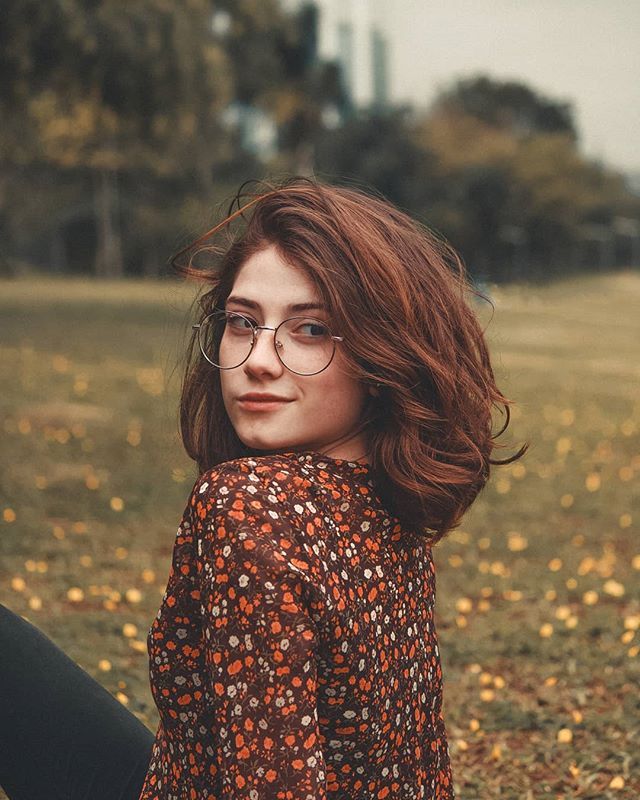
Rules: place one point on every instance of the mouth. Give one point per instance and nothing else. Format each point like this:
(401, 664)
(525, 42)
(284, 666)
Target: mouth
(261, 401)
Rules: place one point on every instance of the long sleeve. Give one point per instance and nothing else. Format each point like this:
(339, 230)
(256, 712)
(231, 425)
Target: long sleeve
(294, 655)
(260, 642)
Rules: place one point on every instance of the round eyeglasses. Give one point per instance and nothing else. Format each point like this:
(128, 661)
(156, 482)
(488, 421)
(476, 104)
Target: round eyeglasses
(304, 345)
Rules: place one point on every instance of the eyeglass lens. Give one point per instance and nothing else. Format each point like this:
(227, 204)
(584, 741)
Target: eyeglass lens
(303, 344)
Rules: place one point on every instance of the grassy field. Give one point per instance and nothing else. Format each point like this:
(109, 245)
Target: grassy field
(538, 603)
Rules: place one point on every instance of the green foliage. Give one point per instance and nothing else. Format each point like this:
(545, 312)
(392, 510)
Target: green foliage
(512, 197)
(109, 86)
(378, 149)
(117, 127)
(508, 105)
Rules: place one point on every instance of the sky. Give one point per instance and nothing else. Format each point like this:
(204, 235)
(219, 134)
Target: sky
(583, 51)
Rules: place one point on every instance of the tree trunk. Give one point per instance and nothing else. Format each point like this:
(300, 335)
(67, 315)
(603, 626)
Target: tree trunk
(151, 262)
(108, 263)
(58, 252)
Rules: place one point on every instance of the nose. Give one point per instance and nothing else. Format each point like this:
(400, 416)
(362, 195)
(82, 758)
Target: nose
(263, 359)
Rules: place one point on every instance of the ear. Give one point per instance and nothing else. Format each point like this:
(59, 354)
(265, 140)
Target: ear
(374, 390)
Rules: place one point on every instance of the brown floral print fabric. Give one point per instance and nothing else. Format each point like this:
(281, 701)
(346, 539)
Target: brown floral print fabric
(294, 655)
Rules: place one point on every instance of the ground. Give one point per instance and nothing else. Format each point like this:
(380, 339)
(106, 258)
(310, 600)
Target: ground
(538, 590)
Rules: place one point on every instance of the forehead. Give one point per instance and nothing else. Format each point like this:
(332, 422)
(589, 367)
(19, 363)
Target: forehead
(266, 276)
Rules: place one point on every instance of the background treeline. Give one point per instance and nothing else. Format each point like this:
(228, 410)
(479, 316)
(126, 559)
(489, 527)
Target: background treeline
(124, 125)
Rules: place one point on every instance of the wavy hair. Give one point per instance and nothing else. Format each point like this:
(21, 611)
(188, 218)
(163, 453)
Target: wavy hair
(396, 293)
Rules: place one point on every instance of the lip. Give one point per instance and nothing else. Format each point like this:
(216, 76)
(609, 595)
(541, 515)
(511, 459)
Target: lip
(263, 397)
(261, 401)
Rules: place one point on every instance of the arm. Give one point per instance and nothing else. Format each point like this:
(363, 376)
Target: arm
(260, 643)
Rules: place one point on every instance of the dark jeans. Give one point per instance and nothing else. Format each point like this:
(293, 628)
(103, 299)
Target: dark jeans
(62, 735)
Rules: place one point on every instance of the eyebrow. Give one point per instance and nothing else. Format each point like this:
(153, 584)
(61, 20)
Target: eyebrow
(243, 301)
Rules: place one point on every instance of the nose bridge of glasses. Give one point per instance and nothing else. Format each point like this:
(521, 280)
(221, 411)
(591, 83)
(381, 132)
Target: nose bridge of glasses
(256, 331)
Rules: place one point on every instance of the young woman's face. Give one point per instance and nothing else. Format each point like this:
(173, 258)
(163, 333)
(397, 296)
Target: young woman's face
(270, 407)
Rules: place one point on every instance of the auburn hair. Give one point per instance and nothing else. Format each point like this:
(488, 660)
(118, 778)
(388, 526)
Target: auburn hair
(396, 292)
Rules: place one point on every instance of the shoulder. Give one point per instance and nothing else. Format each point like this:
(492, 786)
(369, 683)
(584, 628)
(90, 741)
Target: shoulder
(253, 480)
(251, 471)
(244, 511)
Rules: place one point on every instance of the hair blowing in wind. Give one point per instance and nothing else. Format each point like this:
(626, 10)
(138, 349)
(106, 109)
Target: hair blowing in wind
(397, 294)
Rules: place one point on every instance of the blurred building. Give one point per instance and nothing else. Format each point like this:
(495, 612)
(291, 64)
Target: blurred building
(349, 33)
(345, 33)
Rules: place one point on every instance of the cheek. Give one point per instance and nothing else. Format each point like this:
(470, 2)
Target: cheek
(226, 385)
(340, 397)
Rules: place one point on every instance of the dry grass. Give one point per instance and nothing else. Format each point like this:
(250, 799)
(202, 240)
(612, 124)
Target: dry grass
(538, 590)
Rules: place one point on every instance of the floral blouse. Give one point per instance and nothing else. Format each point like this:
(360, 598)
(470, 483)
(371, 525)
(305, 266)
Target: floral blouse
(294, 655)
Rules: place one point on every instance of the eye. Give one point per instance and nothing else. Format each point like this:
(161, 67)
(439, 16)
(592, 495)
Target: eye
(312, 329)
(239, 323)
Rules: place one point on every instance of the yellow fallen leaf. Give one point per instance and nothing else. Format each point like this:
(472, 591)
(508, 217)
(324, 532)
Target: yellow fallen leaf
(593, 482)
(75, 594)
(133, 595)
(517, 542)
(614, 588)
(464, 605)
(116, 503)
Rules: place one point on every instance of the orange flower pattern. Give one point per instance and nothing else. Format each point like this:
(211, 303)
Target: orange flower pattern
(294, 655)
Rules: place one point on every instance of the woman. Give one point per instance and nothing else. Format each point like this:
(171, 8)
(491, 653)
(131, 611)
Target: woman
(337, 401)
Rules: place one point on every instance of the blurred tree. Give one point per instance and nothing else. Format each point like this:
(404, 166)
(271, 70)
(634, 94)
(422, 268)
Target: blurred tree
(110, 91)
(115, 126)
(129, 101)
(515, 196)
(274, 58)
(377, 148)
(508, 105)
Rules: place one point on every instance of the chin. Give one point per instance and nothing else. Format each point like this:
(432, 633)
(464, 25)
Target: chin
(268, 444)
